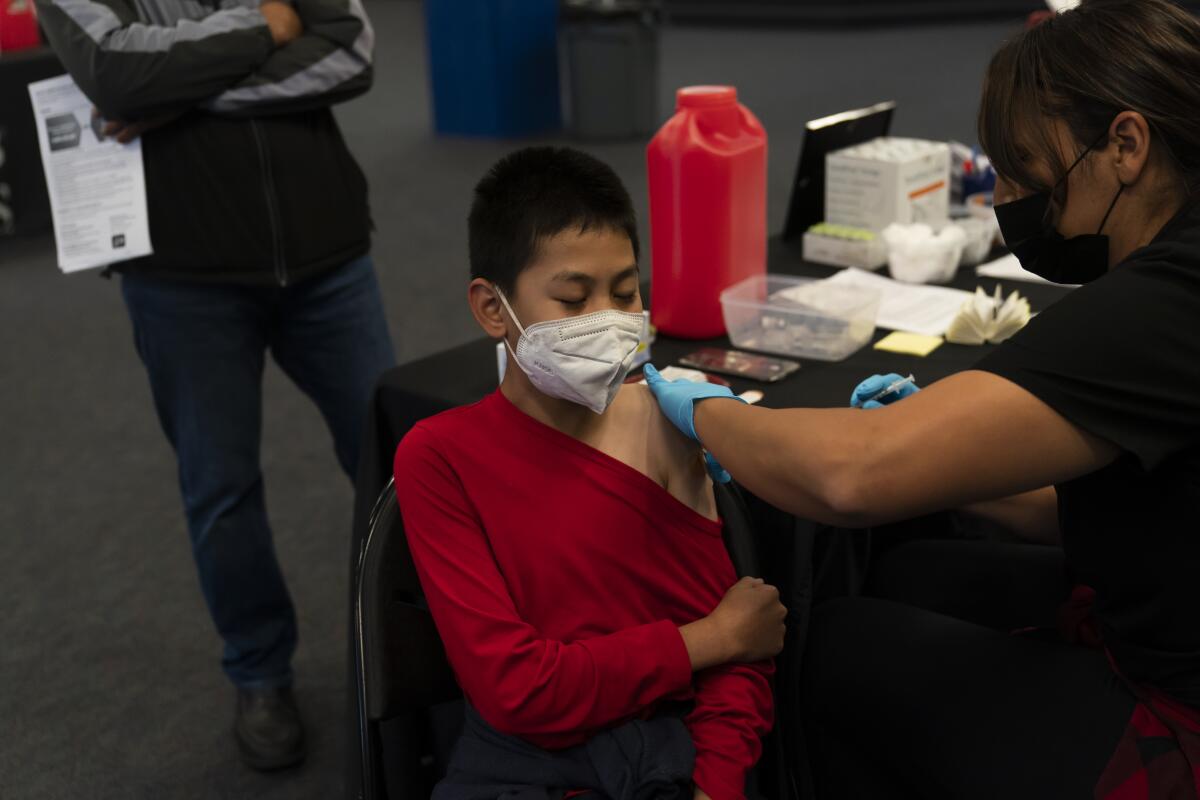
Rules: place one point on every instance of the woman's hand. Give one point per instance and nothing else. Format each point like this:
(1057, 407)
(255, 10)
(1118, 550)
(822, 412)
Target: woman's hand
(747, 625)
(873, 392)
(700, 795)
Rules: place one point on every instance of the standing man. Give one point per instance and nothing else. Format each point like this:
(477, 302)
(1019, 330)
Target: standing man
(261, 235)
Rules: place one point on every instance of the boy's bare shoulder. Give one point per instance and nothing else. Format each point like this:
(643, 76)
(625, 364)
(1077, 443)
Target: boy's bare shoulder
(679, 454)
(671, 458)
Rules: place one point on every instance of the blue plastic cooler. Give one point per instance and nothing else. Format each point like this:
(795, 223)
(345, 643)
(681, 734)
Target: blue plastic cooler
(493, 66)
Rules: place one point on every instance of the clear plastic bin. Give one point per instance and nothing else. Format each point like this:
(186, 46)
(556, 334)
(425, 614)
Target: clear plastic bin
(799, 317)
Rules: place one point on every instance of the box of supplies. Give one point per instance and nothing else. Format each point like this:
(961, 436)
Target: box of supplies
(886, 180)
(844, 246)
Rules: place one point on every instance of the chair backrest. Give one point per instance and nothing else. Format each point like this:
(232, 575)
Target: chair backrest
(737, 530)
(400, 661)
(404, 661)
(775, 777)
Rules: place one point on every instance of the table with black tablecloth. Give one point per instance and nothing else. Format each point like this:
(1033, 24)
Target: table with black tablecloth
(465, 374)
(24, 207)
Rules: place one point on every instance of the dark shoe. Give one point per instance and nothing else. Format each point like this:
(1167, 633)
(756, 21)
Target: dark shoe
(268, 728)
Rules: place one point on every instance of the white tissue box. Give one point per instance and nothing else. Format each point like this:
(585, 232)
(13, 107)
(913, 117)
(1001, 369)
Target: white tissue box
(888, 180)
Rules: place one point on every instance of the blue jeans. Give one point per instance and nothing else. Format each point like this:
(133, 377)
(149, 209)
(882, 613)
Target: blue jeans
(204, 347)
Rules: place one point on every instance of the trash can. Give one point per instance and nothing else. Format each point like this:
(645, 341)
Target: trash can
(610, 54)
(493, 66)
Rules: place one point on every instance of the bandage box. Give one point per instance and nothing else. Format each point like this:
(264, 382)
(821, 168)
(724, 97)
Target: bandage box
(843, 246)
(888, 180)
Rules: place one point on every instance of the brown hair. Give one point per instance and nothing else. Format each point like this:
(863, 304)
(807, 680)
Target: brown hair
(1084, 67)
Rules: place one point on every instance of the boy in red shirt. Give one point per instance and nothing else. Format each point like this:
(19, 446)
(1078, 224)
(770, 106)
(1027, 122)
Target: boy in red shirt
(565, 533)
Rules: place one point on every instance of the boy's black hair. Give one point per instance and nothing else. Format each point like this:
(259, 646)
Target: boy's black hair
(539, 192)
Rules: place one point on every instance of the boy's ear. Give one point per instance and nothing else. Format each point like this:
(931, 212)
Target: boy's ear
(485, 305)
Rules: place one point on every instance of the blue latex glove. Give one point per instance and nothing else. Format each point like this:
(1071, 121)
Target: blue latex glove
(876, 384)
(676, 399)
(715, 470)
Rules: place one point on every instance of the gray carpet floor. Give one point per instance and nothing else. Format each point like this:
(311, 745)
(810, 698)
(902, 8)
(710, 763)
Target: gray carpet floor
(109, 678)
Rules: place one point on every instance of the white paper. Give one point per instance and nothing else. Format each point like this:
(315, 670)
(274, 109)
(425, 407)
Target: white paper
(989, 318)
(907, 307)
(97, 187)
(1008, 268)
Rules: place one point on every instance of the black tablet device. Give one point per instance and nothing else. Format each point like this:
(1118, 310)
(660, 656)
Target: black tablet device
(822, 137)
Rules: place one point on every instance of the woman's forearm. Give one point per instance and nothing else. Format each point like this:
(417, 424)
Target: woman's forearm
(1032, 516)
(799, 460)
(969, 438)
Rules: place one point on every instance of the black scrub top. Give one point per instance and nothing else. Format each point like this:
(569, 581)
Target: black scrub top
(1120, 358)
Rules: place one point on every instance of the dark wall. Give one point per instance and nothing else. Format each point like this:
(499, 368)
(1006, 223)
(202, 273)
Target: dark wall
(832, 12)
(843, 12)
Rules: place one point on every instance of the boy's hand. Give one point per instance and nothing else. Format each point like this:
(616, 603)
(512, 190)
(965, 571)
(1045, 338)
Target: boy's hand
(746, 626)
(751, 619)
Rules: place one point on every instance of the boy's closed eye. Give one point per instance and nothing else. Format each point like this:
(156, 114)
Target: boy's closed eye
(622, 298)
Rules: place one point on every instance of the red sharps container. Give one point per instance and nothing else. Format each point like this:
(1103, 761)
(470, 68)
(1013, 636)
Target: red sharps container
(707, 168)
(18, 25)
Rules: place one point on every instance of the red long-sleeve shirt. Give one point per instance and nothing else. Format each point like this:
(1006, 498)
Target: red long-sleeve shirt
(558, 577)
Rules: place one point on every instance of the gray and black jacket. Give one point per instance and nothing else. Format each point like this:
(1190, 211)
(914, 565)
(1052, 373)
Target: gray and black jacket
(253, 183)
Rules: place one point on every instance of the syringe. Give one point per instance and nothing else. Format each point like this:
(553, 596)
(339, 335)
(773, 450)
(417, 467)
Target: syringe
(892, 388)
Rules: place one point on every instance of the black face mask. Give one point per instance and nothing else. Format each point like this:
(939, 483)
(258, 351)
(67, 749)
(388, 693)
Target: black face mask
(1027, 230)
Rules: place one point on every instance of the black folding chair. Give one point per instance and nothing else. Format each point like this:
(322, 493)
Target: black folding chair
(402, 676)
(401, 667)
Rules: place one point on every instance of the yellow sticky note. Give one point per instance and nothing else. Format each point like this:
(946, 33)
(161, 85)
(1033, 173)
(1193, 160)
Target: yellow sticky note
(913, 344)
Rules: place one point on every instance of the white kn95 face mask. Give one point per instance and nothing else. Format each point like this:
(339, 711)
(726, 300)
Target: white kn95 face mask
(581, 359)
